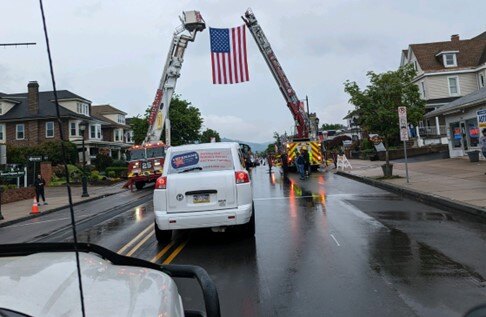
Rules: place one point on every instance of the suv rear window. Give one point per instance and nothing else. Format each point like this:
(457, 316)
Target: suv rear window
(206, 160)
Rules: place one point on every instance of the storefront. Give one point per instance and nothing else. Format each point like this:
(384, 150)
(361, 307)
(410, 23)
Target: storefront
(461, 119)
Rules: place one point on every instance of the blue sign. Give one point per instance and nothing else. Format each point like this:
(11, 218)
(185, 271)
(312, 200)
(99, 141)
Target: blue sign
(184, 160)
(481, 119)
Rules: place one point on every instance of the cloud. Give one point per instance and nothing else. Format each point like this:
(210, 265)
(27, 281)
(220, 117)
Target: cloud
(237, 128)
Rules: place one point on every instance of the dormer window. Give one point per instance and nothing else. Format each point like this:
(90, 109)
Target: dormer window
(121, 119)
(82, 108)
(450, 60)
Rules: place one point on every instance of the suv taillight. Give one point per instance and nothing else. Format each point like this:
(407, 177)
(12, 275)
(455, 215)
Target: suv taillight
(161, 183)
(242, 177)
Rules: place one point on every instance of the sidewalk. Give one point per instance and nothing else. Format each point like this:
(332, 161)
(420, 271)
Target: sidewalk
(57, 199)
(454, 183)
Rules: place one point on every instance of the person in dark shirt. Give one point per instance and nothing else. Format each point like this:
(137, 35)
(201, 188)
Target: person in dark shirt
(305, 155)
(39, 184)
(285, 164)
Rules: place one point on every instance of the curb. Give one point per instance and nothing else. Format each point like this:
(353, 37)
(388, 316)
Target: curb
(428, 199)
(14, 221)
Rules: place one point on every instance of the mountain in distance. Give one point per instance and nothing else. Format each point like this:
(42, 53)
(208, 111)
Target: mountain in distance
(255, 147)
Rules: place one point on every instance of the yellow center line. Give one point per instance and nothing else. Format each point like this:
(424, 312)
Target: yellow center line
(126, 246)
(175, 253)
(162, 252)
(135, 248)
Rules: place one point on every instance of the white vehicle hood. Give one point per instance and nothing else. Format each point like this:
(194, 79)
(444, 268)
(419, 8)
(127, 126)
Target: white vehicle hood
(46, 284)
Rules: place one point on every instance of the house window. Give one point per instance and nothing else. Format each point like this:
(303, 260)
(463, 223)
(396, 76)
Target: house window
(92, 132)
(121, 119)
(2, 132)
(82, 108)
(117, 135)
(50, 129)
(453, 86)
(481, 80)
(415, 65)
(129, 136)
(73, 131)
(422, 85)
(450, 60)
(20, 131)
(95, 131)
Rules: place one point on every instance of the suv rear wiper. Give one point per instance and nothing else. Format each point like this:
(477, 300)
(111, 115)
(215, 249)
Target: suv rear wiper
(191, 169)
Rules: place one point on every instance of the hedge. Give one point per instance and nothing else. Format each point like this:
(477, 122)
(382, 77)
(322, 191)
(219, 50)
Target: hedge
(118, 170)
(51, 149)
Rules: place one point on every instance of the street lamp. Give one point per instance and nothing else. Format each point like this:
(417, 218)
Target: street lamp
(84, 180)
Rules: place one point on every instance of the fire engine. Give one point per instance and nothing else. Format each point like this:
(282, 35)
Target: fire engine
(146, 160)
(306, 124)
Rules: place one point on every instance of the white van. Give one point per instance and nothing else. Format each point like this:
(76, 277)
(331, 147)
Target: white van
(203, 186)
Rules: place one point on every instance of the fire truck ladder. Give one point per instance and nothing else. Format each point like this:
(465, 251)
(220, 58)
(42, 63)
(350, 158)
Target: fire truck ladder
(296, 106)
(192, 22)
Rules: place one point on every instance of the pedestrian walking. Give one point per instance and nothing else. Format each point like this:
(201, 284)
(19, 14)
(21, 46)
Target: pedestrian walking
(39, 184)
(305, 155)
(482, 142)
(300, 163)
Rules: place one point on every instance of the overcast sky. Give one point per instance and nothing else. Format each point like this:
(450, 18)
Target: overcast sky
(113, 52)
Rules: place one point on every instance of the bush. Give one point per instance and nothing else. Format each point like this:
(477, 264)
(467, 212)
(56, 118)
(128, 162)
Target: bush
(119, 163)
(95, 175)
(103, 161)
(111, 174)
(74, 173)
(119, 171)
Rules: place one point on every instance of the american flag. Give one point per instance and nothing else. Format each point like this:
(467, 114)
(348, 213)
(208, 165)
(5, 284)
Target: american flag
(228, 55)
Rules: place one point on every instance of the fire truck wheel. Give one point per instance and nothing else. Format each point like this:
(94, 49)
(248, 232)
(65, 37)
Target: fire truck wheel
(139, 185)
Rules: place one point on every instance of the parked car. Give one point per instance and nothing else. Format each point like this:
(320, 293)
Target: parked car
(203, 186)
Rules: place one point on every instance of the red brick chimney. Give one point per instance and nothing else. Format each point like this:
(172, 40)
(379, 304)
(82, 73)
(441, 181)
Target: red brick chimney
(455, 37)
(33, 97)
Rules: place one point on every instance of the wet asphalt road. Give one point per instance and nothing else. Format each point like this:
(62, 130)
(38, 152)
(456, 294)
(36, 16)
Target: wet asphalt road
(327, 246)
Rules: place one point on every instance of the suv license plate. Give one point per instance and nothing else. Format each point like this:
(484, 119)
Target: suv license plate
(200, 199)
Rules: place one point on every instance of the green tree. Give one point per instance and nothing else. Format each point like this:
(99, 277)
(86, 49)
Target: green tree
(332, 126)
(139, 126)
(377, 105)
(50, 150)
(185, 120)
(208, 134)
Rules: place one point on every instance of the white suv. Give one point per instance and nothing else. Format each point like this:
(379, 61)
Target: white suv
(203, 186)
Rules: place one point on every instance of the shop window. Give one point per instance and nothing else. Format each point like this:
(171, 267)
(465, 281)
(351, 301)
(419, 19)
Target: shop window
(473, 132)
(456, 135)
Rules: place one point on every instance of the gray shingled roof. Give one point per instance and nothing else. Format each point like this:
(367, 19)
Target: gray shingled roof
(47, 108)
(468, 100)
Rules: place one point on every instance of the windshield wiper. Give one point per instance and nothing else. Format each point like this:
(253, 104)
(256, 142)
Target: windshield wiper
(191, 169)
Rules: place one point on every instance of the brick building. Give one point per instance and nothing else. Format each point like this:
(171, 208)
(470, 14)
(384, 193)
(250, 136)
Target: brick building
(27, 119)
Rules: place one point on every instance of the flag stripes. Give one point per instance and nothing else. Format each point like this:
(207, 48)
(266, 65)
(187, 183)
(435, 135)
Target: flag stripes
(229, 63)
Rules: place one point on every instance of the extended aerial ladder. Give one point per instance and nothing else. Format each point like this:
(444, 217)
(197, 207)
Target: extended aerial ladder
(295, 105)
(192, 22)
(306, 125)
(146, 160)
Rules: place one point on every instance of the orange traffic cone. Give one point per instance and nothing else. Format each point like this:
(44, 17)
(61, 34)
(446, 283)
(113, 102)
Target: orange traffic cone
(35, 208)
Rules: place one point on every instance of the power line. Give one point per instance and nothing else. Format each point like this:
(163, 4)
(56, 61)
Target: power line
(17, 44)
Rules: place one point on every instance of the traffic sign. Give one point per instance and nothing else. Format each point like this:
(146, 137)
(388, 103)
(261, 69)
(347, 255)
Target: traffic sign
(35, 158)
(403, 124)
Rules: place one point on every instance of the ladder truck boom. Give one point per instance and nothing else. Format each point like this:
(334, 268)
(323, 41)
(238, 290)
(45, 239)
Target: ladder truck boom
(293, 103)
(192, 22)
(147, 160)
